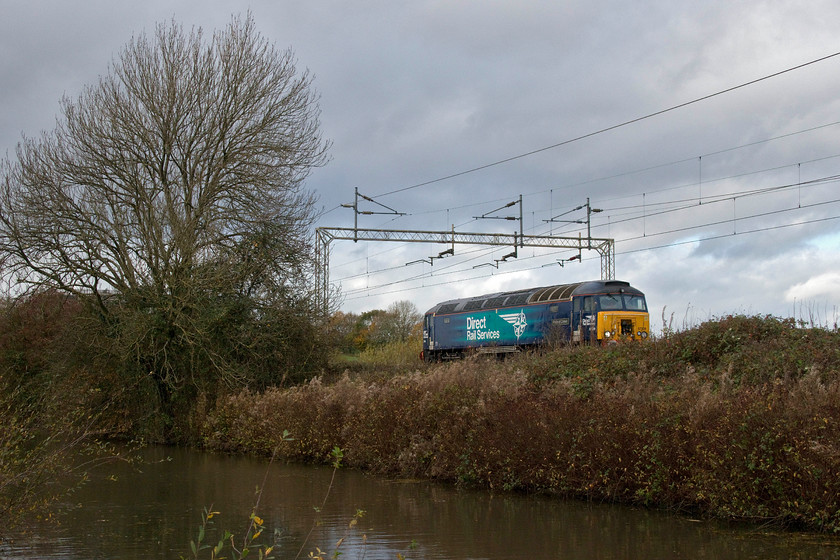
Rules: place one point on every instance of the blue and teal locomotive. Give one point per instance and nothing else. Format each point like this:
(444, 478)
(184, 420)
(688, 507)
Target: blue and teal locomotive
(593, 312)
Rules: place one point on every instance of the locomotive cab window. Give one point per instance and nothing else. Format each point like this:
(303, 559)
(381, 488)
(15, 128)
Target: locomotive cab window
(615, 302)
(610, 302)
(635, 303)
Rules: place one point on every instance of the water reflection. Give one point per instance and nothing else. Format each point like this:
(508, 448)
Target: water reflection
(153, 511)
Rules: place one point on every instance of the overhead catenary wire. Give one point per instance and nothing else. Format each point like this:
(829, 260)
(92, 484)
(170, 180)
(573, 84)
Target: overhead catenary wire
(612, 127)
(684, 204)
(705, 199)
(624, 174)
(629, 251)
(641, 170)
(650, 235)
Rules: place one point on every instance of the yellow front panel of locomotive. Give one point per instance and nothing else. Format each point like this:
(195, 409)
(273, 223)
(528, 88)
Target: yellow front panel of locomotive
(609, 325)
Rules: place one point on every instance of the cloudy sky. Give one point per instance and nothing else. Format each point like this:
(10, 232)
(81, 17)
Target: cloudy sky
(721, 199)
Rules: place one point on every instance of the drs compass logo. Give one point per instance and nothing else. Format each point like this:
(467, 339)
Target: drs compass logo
(517, 320)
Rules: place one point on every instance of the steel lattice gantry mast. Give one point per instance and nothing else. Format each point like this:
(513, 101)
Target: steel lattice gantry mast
(325, 235)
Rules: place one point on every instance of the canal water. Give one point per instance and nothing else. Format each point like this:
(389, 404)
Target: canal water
(153, 508)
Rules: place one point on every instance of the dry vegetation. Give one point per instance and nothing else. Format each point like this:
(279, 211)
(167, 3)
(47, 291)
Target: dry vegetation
(736, 418)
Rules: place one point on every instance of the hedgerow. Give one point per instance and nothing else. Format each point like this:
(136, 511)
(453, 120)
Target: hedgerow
(738, 418)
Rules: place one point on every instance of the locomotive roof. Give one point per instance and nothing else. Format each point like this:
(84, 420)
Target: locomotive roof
(540, 294)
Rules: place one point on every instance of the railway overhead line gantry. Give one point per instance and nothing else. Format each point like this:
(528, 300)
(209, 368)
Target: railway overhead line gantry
(326, 235)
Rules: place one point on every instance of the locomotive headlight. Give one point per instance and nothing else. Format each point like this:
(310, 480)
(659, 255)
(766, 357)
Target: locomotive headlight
(607, 334)
(643, 334)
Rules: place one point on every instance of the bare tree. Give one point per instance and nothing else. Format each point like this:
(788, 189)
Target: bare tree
(173, 184)
(395, 323)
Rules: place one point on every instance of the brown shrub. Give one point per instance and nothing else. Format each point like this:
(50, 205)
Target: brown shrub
(592, 423)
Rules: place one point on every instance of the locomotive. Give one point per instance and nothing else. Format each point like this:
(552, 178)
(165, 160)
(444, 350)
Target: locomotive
(595, 312)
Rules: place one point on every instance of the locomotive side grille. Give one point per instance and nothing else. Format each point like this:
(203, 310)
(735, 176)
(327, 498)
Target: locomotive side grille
(556, 293)
(553, 293)
(518, 299)
(567, 293)
(474, 304)
(495, 302)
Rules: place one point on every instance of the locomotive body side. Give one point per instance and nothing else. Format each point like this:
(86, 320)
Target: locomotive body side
(498, 330)
(586, 312)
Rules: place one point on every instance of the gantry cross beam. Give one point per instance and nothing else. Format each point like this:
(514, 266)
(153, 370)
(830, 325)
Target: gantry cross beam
(326, 235)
